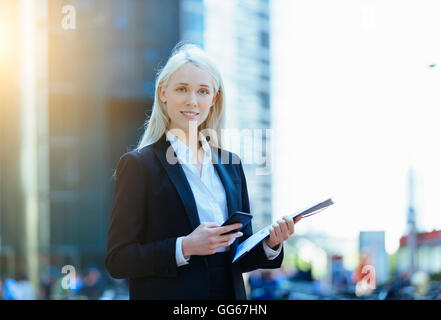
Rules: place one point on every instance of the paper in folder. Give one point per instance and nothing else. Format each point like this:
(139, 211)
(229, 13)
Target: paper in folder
(256, 238)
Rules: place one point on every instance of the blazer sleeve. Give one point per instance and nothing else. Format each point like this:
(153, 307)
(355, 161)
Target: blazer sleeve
(256, 258)
(126, 255)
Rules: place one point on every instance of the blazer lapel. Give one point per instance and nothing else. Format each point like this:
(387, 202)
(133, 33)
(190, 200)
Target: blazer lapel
(216, 156)
(164, 151)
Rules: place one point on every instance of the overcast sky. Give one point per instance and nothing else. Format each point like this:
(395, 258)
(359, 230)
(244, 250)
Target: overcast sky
(356, 102)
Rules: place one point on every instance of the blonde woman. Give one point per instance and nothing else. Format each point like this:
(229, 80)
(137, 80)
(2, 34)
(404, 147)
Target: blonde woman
(175, 190)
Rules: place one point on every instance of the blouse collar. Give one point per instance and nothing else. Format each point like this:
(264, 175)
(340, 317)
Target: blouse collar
(184, 153)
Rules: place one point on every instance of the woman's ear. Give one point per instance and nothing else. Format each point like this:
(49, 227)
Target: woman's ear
(162, 96)
(215, 98)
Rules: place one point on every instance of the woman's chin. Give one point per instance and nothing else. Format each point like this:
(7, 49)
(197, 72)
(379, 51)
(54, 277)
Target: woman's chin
(190, 124)
(187, 127)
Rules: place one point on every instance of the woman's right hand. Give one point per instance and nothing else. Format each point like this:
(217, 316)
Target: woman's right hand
(207, 238)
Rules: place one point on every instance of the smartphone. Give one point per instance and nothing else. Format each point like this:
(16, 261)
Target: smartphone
(238, 217)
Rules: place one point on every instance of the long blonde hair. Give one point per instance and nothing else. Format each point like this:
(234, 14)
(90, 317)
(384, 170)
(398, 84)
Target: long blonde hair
(156, 125)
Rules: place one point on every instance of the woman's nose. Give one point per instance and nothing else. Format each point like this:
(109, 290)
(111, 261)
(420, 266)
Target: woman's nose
(192, 100)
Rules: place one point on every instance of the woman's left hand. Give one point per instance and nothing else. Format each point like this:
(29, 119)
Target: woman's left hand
(281, 231)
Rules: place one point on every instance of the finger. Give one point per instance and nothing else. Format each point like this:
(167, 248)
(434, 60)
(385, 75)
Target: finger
(210, 224)
(277, 233)
(226, 241)
(283, 229)
(222, 230)
(282, 225)
(214, 245)
(234, 237)
(220, 245)
(290, 224)
(229, 237)
(272, 235)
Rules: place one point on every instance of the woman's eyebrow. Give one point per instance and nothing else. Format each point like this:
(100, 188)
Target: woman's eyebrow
(186, 84)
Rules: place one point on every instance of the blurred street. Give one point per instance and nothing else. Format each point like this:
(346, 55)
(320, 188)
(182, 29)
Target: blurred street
(263, 285)
(93, 284)
(269, 285)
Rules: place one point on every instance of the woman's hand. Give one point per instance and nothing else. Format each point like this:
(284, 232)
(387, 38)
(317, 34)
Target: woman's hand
(281, 231)
(206, 239)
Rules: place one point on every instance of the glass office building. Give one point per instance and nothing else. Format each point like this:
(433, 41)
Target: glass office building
(237, 35)
(94, 85)
(79, 97)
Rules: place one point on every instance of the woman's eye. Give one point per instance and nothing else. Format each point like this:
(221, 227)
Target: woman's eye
(180, 89)
(203, 91)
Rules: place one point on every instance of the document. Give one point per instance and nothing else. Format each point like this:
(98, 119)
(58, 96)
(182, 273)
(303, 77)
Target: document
(256, 238)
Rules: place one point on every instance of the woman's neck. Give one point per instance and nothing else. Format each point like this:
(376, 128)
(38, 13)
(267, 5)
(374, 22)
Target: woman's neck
(189, 138)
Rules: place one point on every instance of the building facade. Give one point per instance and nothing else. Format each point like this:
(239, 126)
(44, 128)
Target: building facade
(372, 246)
(428, 253)
(91, 89)
(237, 36)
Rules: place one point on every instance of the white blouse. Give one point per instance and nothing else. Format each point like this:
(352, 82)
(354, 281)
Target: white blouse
(208, 191)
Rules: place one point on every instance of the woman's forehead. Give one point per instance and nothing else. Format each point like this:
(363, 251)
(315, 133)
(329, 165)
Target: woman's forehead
(191, 75)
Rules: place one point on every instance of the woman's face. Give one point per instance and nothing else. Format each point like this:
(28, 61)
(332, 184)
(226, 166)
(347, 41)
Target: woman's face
(189, 96)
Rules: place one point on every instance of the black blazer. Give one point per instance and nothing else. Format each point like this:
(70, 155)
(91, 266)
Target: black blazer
(153, 205)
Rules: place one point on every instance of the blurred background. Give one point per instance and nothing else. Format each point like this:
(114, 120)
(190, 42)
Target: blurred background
(348, 89)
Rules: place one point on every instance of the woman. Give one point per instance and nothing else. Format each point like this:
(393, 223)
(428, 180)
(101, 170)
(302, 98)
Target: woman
(174, 191)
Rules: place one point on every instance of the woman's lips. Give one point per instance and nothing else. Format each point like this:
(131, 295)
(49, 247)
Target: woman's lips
(189, 115)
